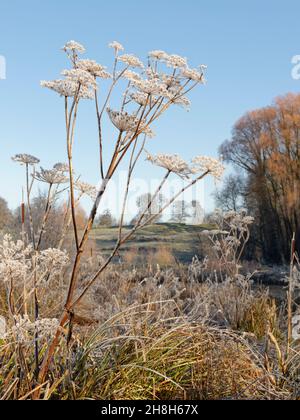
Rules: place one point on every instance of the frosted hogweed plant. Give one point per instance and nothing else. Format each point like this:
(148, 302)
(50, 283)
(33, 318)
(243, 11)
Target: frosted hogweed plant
(229, 240)
(143, 92)
(24, 330)
(23, 270)
(54, 179)
(26, 275)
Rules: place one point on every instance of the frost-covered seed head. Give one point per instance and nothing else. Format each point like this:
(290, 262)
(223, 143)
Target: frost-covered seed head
(151, 87)
(24, 330)
(172, 163)
(116, 46)
(131, 60)
(73, 46)
(132, 76)
(139, 97)
(122, 120)
(86, 189)
(158, 55)
(51, 176)
(176, 61)
(69, 89)
(25, 159)
(15, 262)
(52, 261)
(192, 74)
(61, 167)
(207, 164)
(80, 77)
(95, 69)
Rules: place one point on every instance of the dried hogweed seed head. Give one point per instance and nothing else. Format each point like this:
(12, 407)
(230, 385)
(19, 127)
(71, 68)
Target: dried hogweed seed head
(176, 61)
(95, 69)
(24, 330)
(193, 74)
(51, 176)
(151, 87)
(207, 164)
(73, 46)
(69, 89)
(52, 261)
(116, 46)
(25, 159)
(122, 120)
(80, 77)
(180, 100)
(61, 167)
(170, 81)
(131, 60)
(172, 163)
(132, 76)
(86, 189)
(140, 98)
(15, 261)
(158, 55)
(128, 123)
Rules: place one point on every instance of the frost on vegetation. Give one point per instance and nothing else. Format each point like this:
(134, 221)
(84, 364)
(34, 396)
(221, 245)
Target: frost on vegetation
(23, 331)
(229, 239)
(25, 159)
(17, 261)
(53, 176)
(200, 165)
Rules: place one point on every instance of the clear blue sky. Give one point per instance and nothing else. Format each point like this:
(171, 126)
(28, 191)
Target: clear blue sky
(247, 45)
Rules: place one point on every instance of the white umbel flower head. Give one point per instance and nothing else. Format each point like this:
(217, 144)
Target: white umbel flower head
(86, 189)
(139, 97)
(158, 55)
(116, 46)
(208, 164)
(25, 159)
(61, 167)
(52, 261)
(95, 69)
(73, 46)
(129, 124)
(24, 330)
(151, 87)
(122, 120)
(176, 61)
(172, 163)
(80, 77)
(132, 76)
(131, 60)
(193, 74)
(51, 176)
(15, 262)
(69, 89)
(180, 100)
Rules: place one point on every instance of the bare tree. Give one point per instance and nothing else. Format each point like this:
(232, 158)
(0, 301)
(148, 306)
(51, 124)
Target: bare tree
(180, 212)
(106, 219)
(5, 215)
(231, 195)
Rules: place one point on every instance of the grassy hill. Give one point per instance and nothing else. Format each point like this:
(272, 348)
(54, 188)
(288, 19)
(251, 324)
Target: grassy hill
(181, 241)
